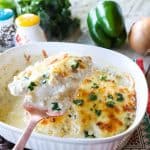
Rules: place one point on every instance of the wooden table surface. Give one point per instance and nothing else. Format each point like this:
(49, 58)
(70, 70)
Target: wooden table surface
(133, 10)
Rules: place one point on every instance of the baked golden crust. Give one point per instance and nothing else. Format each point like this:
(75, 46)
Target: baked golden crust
(102, 107)
(101, 103)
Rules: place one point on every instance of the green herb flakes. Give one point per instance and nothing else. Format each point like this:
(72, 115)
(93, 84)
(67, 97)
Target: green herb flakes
(103, 78)
(86, 135)
(69, 115)
(110, 103)
(92, 96)
(55, 106)
(109, 96)
(98, 112)
(46, 75)
(26, 78)
(31, 86)
(120, 97)
(75, 64)
(91, 109)
(95, 86)
(78, 102)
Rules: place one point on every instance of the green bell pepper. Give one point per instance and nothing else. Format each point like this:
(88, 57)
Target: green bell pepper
(97, 34)
(110, 18)
(106, 25)
(120, 40)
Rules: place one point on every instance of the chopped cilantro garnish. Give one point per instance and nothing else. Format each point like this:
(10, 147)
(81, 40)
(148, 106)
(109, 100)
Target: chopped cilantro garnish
(120, 97)
(78, 102)
(92, 96)
(109, 96)
(26, 78)
(103, 78)
(75, 64)
(86, 134)
(31, 86)
(91, 109)
(95, 86)
(69, 115)
(46, 75)
(110, 103)
(98, 112)
(55, 106)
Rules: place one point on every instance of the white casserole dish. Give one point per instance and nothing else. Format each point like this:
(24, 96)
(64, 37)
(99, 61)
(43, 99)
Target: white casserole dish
(13, 59)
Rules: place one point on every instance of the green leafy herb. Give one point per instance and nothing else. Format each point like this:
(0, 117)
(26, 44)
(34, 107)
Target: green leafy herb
(95, 86)
(92, 96)
(86, 134)
(91, 109)
(78, 102)
(46, 75)
(120, 97)
(55, 16)
(69, 115)
(103, 78)
(31, 86)
(110, 103)
(109, 96)
(55, 106)
(75, 65)
(26, 78)
(98, 112)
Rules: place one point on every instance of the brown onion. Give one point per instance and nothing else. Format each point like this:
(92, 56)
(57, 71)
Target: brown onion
(139, 36)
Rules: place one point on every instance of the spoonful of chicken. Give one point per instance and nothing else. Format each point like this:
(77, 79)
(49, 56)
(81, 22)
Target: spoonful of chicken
(47, 88)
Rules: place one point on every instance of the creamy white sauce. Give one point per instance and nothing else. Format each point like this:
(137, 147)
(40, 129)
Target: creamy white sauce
(16, 115)
(19, 87)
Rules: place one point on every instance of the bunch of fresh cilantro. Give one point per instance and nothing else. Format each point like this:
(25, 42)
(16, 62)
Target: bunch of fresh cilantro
(55, 16)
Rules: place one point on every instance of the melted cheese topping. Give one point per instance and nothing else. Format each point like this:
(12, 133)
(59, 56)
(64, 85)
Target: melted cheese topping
(103, 106)
(52, 82)
(96, 103)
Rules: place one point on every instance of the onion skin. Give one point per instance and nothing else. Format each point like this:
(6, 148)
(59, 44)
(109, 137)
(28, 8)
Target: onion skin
(139, 36)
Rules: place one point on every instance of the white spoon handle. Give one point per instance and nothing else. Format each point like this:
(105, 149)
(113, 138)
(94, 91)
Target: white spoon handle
(25, 136)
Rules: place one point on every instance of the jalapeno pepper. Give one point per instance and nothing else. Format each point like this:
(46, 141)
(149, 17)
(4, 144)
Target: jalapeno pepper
(106, 25)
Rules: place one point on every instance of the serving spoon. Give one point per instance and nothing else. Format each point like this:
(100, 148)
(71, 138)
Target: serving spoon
(36, 114)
